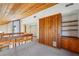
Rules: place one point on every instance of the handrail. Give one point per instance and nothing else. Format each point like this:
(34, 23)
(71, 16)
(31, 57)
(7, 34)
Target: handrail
(8, 38)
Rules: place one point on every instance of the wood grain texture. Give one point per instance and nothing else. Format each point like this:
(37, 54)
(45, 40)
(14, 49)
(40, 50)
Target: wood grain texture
(50, 30)
(20, 10)
(9, 38)
(71, 44)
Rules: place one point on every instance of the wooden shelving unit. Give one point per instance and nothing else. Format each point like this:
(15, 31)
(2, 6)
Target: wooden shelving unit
(70, 21)
(70, 26)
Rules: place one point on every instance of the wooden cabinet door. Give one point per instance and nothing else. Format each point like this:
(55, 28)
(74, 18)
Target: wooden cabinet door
(71, 44)
(65, 43)
(74, 45)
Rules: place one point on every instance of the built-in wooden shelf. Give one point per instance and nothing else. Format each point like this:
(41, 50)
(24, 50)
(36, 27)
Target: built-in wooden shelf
(70, 36)
(71, 30)
(70, 21)
(69, 25)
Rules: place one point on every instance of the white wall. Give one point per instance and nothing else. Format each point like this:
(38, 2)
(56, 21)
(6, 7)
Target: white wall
(9, 27)
(31, 25)
(34, 30)
(59, 8)
(22, 27)
(28, 28)
(4, 28)
(78, 24)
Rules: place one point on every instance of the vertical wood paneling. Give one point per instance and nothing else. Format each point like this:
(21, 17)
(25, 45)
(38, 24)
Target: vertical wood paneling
(50, 30)
(41, 32)
(59, 30)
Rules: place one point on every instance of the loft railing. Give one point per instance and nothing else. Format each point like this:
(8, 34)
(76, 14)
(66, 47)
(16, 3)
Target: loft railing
(12, 40)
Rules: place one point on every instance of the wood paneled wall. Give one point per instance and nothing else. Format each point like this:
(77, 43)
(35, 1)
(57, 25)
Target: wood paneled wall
(50, 30)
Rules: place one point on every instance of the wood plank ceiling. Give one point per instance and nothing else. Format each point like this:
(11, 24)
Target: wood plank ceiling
(14, 11)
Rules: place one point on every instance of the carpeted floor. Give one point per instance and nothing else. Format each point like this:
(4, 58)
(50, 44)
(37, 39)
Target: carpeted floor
(36, 49)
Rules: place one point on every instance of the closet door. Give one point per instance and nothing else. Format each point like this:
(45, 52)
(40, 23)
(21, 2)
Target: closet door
(45, 31)
(41, 31)
(50, 30)
(56, 30)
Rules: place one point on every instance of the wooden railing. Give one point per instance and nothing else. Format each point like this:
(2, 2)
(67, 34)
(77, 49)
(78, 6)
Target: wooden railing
(14, 39)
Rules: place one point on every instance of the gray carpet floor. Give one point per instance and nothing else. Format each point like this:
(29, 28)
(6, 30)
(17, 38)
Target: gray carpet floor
(36, 49)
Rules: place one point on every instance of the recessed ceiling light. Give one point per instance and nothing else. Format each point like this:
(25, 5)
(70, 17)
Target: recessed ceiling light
(34, 16)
